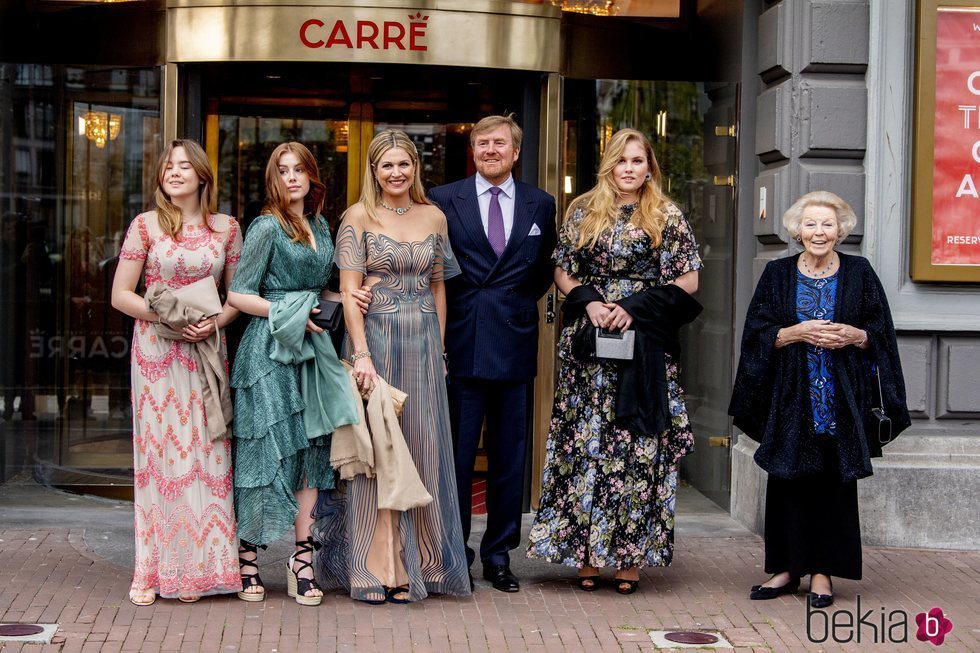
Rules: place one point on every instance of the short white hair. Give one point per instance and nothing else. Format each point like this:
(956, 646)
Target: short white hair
(846, 219)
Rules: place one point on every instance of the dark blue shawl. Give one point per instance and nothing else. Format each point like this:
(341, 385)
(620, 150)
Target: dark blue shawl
(771, 399)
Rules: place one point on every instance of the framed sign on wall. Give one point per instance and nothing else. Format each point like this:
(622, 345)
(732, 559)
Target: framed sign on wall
(946, 179)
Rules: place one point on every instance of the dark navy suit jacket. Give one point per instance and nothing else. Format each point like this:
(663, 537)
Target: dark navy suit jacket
(492, 326)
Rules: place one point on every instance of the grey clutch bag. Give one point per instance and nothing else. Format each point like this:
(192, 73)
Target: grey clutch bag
(614, 345)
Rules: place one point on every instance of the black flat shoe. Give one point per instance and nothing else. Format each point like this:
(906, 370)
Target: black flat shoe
(588, 583)
(624, 586)
(818, 601)
(501, 578)
(762, 593)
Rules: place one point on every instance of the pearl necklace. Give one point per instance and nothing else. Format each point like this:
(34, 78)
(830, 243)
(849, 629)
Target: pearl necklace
(398, 210)
(820, 273)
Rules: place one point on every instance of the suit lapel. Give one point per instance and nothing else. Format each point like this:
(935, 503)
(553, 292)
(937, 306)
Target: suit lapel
(468, 210)
(523, 219)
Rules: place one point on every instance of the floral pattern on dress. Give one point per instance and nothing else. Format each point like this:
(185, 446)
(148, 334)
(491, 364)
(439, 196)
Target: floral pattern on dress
(608, 493)
(185, 520)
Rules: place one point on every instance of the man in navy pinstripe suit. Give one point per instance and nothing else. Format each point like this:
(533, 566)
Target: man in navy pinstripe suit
(502, 232)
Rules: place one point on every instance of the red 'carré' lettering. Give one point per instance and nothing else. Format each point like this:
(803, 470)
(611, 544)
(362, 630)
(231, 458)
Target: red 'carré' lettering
(416, 31)
(339, 36)
(302, 33)
(391, 34)
(367, 32)
(394, 33)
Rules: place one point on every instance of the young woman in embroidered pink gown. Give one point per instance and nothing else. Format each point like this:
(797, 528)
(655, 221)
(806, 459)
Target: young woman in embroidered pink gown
(186, 546)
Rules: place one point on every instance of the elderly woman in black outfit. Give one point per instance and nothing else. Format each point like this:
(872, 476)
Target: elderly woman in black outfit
(818, 335)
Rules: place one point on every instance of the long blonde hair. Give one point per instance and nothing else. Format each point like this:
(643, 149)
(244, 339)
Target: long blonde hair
(599, 203)
(277, 194)
(389, 139)
(168, 214)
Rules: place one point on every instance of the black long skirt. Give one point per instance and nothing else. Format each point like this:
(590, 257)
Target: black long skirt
(812, 525)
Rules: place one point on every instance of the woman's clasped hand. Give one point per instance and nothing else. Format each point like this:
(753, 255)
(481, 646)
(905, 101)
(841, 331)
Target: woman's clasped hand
(823, 333)
(609, 316)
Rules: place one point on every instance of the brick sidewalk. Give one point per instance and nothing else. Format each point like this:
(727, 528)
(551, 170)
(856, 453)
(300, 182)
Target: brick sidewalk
(49, 576)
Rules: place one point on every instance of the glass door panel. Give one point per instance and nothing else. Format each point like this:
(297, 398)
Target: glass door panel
(680, 119)
(112, 151)
(244, 144)
(444, 149)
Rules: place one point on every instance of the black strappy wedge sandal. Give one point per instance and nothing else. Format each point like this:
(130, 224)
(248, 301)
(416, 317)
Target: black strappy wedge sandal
(297, 587)
(250, 580)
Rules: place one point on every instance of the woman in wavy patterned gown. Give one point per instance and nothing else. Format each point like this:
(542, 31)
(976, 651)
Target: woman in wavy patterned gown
(394, 240)
(185, 524)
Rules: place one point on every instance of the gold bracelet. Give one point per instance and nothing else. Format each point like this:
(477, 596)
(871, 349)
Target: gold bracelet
(359, 355)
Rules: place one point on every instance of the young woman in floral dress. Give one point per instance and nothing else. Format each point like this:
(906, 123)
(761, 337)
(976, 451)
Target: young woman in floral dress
(608, 491)
(186, 545)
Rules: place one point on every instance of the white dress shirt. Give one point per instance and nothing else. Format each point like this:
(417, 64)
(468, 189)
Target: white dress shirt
(506, 199)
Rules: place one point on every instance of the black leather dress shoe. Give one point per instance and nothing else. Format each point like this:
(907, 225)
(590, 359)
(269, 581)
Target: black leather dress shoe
(501, 578)
(472, 584)
(762, 593)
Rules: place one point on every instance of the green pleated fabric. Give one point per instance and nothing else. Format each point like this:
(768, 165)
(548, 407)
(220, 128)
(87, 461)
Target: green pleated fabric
(326, 391)
(273, 455)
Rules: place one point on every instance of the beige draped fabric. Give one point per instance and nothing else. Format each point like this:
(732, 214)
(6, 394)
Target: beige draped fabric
(376, 447)
(189, 305)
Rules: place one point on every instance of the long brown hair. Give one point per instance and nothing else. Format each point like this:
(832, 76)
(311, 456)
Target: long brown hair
(277, 194)
(599, 204)
(168, 213)
(389, 139)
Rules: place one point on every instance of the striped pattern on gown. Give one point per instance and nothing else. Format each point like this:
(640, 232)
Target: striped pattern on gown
(364, 549)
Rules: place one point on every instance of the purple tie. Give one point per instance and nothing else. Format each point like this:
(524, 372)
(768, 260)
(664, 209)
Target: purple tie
(495, 223)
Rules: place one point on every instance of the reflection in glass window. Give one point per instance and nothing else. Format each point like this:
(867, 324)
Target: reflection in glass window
(85, 143)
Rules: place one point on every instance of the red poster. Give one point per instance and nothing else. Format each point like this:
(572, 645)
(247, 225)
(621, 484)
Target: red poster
(956, 160)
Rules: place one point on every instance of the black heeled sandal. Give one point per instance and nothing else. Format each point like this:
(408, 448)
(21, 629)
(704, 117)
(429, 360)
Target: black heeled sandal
(391, 595)
(297, 587)
(626, 586)
(250, 580)
(588, 583)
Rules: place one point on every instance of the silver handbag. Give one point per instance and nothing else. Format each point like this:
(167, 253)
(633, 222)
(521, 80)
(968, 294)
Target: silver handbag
(614, 345)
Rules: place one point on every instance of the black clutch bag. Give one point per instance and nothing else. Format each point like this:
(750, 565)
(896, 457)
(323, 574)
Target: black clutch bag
(331, 315)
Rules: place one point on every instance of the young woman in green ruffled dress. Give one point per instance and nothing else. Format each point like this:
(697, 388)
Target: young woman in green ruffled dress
(279, 464)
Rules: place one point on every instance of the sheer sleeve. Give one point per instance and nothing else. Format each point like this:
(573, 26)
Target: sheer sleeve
(233, 245)
(678, 247)
(565, 255)
(137, 242)
(349, 252)
(445, 265)
(256, 254)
